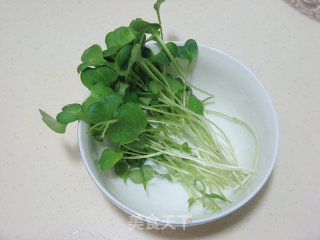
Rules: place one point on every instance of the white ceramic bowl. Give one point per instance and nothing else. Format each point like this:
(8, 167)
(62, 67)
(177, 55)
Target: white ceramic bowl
(238, 92)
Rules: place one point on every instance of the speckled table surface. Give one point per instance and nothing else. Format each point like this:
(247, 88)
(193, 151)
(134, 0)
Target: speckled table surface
(45, 191)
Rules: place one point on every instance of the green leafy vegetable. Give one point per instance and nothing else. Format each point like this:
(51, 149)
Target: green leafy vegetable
(132, 121)
(130, 96)
(110, 51)
(143, 103)
(142, 26)
(93, 56)
(155, 87)
(120, 37)
(122, 88)
(104, 111)
(113, 101)
(103, 74)
(83, 66)
(70, 113)
(137, 177)
(176, 84)
(99, 112)
(214, 195)
(109, 158)
(191, 201)
(52, 123)
(195, 105)
(121, 168)
(99, 90)
(189, 51)
(123, 56)
(185, 147)
(89, 101)
(162, 57)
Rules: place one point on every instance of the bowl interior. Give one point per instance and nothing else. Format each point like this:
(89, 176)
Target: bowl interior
(237, 93)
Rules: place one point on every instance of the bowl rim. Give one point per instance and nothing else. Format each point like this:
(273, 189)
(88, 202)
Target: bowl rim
(214, 217)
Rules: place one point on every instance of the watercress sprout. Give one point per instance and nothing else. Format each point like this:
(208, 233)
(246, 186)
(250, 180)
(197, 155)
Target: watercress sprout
(150, 114)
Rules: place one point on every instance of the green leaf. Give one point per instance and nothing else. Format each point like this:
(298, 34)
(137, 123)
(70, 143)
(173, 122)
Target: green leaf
(100, 74)
(136, 53)
(67, 117)
(147, 52)
(137, 178)
(155, 102)
(110, 51)
(183, 53)
(123, 35)
(110, 42)
(195, 105)
(120, 37)
(99, 90)
(157, 4)
(113, 101)
(189, 51)
(140, 38)
(87, 103)
(74, 107)
(192, 47)
(191, 201)
(104, 111)
(214, 195)
(93, 56)
(122, 88)
(109, 158)
(70, 113)
(98, 93)
(142, 26)
(155, 87)
(99, 112)
(121, 168)
(123, 56)
(139, 143)
(162, 57)
(172, 48)
(88, 77)
(136, 162)
(176, 84)
(185, 147)
(145, 100)
(132, 121)
(83, 66)
(52, 123)
(130, 96)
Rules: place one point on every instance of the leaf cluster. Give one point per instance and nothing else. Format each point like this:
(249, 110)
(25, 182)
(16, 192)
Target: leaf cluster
(147, 110)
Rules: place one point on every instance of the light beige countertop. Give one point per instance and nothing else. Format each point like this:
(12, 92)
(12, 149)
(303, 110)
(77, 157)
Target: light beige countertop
(45, 191)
